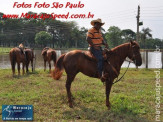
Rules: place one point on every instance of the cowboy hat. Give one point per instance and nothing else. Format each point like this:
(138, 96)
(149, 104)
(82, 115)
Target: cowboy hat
(97, 20)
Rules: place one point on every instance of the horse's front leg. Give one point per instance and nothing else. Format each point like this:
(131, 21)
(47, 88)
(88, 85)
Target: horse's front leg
(108, 89)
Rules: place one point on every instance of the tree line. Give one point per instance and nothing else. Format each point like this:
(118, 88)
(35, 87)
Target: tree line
(63, 34)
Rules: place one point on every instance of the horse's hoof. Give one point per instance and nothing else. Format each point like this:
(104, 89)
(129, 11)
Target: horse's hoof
(109, 107)
(70, 105)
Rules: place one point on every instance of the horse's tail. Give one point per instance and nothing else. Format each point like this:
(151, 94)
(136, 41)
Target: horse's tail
(44, 52)
(12, 58)
(54, 57)
(26, 56)
(57, 73)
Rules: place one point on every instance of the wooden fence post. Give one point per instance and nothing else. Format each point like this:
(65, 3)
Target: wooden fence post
(146, 59)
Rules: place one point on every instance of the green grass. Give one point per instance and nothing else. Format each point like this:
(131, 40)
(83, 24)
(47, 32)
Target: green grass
(4, 50)
(132, 99)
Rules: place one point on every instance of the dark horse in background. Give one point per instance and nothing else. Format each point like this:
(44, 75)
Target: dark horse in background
(17, 55)
(78, 61)
(48, 56)
(29, 54)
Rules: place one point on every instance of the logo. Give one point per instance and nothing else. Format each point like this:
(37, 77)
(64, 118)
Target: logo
(17, 112)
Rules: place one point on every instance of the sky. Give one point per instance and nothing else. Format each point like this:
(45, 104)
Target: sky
(121, 13)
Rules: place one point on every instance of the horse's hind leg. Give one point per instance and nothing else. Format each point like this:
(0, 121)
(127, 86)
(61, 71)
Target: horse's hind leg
(54, 63)
(44, 65)
(23, 67)
(32, 65)
(27, 64)
(18, 68)
(70, 78)
(13, 68)
(49, 66)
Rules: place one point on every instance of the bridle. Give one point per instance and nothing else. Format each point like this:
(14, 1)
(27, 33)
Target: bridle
(130, 61)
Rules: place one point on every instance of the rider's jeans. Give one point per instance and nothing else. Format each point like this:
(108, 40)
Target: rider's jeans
(99, 57)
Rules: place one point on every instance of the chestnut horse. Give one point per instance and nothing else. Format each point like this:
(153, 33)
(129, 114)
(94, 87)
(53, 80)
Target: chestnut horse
(17, 56)
(29, 58)
(78, 61)
(48, 55)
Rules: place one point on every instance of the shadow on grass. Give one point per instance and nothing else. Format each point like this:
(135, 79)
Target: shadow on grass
(25, 75)
(123, 110)
(93, 114)
(90, 106)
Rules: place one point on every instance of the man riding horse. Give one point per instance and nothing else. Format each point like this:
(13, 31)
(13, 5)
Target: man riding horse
(95, 40)
(21, 47)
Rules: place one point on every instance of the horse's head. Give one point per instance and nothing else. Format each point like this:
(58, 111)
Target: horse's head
(134, 53)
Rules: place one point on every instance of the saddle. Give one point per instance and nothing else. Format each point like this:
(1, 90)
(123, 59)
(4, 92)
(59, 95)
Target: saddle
(46, 48)
(44, 51)
(21, 50)
(106, 53)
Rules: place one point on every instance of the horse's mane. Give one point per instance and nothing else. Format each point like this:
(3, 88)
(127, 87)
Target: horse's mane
(120, 47)
(119, 51)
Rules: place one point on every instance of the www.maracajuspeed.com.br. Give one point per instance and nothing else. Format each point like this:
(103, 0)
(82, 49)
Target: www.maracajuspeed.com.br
(48, 16)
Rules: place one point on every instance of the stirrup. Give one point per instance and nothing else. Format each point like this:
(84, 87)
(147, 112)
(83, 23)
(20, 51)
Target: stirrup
(104, 77)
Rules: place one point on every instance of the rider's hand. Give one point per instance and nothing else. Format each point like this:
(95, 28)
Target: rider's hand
(106, 46)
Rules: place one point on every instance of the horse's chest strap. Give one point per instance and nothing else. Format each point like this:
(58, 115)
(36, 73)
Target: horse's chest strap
(113, 69)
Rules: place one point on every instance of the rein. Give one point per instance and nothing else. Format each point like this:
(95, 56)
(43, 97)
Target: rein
(126, 69)
(123, 74)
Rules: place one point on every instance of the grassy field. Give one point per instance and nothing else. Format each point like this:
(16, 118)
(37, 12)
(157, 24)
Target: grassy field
(4, 50)
(132, 99)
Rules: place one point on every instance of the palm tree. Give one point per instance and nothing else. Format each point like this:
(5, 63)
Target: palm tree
(144, 35)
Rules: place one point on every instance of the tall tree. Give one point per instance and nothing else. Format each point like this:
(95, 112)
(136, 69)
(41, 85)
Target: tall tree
(128, 34)
(113, 36)
(43, 38)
